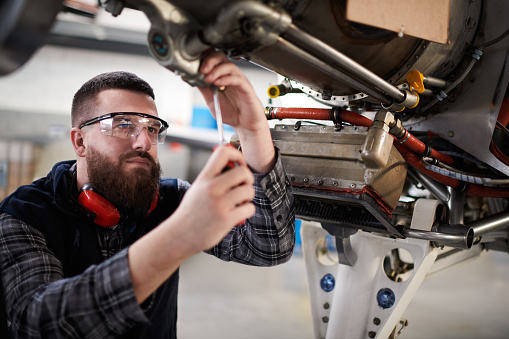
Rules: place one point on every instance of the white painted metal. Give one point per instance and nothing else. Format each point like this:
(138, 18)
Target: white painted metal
(350, 309)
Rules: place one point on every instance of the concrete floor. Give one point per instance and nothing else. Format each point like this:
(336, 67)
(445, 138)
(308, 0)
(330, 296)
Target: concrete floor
(227, 300)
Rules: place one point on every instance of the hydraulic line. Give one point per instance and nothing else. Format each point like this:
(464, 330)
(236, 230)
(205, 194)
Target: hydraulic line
(473, 189)
(336, 115)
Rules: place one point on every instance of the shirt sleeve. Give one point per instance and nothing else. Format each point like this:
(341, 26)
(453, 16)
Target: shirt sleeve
(99, 303)
(268, 237)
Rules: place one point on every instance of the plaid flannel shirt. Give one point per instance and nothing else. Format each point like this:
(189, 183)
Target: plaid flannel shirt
(100, 302)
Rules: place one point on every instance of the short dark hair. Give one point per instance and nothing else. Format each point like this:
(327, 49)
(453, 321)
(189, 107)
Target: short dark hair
(83, 101)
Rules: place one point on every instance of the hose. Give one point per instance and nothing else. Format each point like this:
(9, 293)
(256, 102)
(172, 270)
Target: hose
(336, 115)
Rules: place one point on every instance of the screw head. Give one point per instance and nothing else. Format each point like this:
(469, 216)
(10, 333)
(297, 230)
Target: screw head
(386, 298)
(327, 283)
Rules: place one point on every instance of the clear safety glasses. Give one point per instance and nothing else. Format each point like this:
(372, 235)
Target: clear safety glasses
(128, 125)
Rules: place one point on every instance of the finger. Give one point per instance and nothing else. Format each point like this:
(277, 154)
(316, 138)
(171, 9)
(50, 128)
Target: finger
(240, 195)
(243, 212)
(219, 159)
(238, 176)
(211, 61)
(221, 70)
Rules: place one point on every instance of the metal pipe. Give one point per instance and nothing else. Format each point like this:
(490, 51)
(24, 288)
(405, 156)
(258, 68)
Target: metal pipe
(457, 236)
(337, 59)
(434, 82)
(455, 205)
(489, 224)
(333, 72)
(437, 189)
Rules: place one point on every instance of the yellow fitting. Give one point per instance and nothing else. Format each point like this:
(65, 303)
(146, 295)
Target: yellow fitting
(273, 91)
(415, 80)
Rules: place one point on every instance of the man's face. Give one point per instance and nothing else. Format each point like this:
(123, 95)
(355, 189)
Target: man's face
(120, 183)
(124, 171)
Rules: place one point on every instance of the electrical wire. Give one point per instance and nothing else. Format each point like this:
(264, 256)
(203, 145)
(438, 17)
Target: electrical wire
(476, 56)
(443, 169)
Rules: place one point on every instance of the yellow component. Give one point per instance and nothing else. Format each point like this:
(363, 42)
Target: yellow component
(273, 91)
(415, 80)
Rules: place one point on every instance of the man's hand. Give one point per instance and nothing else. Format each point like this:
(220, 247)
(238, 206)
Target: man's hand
(216, 202)
(240, 109)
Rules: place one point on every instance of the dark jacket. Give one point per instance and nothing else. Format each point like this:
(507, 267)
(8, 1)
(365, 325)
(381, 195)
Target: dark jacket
(49, 204)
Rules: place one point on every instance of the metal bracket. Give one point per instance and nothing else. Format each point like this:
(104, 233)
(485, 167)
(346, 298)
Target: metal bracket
(361, 301)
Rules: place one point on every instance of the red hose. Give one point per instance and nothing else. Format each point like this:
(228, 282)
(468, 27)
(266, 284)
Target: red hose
(412, 142)
(473, 189)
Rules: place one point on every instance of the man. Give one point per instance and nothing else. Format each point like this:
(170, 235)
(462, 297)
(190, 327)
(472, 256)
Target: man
(72, 270)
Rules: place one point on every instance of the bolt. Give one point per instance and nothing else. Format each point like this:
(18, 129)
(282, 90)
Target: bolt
(335, 184)
(320, 182)
(372, 334)
(325, 319)
(326, 306)
(376, 321)
(450, 134)
(306, 180)
(159, 44)
(353, 185)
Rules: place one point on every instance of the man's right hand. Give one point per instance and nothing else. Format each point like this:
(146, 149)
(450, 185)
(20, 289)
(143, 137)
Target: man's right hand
(216, 202)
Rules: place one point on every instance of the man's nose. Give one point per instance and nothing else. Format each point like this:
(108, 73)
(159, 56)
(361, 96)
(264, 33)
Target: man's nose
(141, 140)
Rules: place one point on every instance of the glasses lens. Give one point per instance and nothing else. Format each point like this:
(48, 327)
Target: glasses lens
(130, 126)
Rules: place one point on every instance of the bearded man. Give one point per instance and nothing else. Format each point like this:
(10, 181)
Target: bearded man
(93, 249)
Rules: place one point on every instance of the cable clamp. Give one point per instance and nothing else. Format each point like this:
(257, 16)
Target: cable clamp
(441, 95)
(477, 54)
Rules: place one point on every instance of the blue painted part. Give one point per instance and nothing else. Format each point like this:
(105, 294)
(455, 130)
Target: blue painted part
(328, 282)
(386, 298)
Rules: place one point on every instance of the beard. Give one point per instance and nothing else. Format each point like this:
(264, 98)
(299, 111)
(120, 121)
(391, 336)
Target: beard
(134, 188)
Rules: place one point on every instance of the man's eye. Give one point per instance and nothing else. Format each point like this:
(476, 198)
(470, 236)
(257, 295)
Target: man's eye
(125, 125)
(153, 130)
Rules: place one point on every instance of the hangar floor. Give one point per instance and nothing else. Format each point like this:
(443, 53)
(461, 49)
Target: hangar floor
(227, 300)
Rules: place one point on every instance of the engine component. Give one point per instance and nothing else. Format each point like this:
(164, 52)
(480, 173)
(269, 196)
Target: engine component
(331, 180)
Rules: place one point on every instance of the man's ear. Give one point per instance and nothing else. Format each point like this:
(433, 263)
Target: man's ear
(78, 142)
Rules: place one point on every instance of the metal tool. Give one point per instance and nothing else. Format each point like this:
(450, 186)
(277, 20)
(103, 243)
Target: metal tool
(219, 117)
(220, 127)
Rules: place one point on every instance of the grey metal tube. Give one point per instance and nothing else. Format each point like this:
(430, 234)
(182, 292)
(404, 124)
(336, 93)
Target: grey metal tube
(436, 188)
(455, 205)
(341, 61)
(489, 224)
(324, 67)
(453, 236)
(434, 82)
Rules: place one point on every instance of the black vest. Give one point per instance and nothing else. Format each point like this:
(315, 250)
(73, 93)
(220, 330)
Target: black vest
(48, 205)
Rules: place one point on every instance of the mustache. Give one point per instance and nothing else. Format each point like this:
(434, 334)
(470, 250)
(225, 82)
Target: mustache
(135, 154)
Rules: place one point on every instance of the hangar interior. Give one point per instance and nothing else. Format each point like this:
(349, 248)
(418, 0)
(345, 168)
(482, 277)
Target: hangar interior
(217, 299)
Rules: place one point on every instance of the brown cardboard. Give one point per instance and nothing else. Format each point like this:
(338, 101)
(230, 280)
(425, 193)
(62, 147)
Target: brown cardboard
(425, 19)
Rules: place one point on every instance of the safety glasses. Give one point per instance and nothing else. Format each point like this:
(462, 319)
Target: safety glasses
(128, 125)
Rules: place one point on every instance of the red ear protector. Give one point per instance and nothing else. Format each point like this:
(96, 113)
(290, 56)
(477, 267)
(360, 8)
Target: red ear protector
(106, 214)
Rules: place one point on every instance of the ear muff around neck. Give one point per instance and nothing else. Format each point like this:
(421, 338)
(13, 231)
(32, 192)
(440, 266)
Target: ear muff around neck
(106, 214)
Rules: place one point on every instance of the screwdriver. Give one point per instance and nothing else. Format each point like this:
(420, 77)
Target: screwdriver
(220, 127)
(220, 130)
